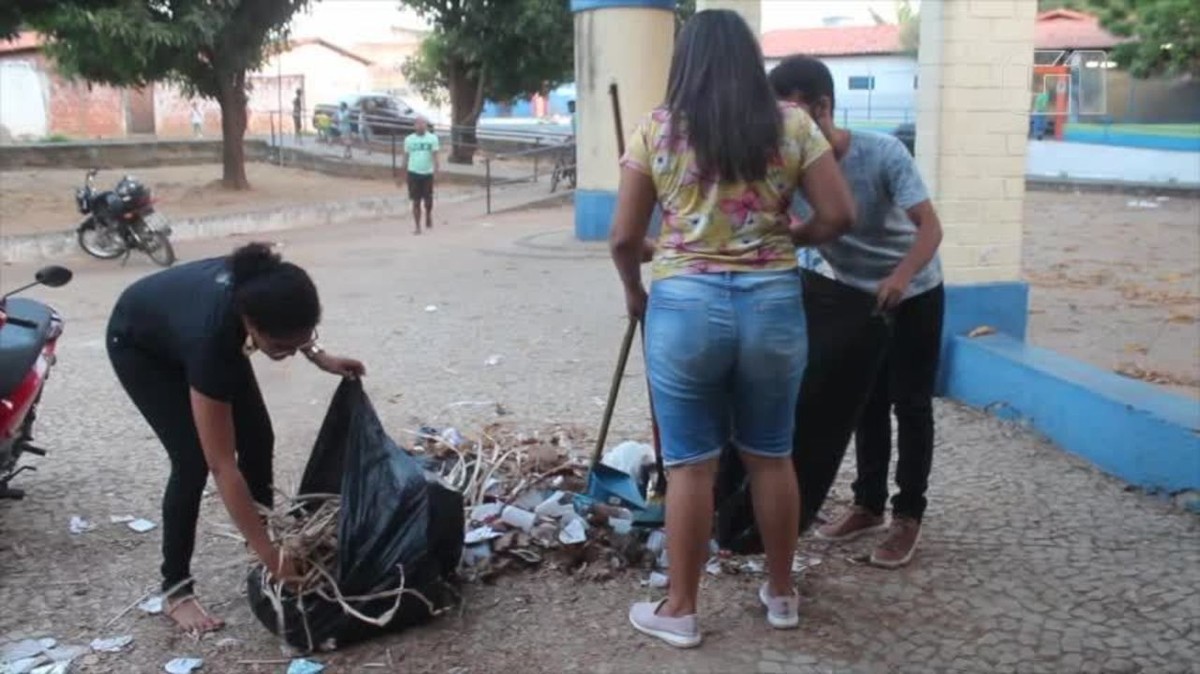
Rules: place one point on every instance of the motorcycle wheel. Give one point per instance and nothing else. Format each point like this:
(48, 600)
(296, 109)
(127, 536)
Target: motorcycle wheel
(158, 246)
(99, 242)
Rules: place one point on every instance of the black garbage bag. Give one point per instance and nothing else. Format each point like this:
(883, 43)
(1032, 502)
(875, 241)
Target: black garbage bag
(396, 528)
(847, 341)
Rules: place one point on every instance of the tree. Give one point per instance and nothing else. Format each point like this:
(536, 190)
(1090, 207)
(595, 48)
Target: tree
(1166, 35)
(205, 46)
(910, 27)
(489, 49)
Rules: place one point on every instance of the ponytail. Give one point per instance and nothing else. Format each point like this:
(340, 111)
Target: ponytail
(277, 297)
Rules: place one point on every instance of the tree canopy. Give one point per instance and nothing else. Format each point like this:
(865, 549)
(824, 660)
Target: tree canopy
(205, 46)
(1165, 35)
(489, 49)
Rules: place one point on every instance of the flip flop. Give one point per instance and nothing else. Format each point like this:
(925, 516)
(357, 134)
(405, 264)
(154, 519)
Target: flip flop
(172, 606)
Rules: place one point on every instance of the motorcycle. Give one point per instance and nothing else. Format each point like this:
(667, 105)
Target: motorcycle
(29, 332)
(121, 221)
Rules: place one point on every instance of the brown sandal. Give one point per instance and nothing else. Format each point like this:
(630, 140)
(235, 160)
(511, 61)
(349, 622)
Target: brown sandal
(171, 606)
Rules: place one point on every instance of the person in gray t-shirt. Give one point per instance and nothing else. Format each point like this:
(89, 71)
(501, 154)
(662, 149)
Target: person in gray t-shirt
(891, 252)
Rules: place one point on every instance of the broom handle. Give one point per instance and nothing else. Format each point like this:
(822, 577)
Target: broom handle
(613, 390)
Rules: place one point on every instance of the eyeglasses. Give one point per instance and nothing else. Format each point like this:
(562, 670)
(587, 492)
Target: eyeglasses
(279, 351)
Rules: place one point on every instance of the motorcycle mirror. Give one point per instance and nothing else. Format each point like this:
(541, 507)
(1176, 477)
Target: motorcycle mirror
(54, 276)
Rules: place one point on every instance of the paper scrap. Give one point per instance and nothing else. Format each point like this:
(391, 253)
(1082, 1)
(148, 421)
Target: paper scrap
(56, 668)
(152, 605)
(27, 648)
(481, 534)
(111, 644)
(302, 666)
(24, 665)
(183, 665)
(142, 526)
(121, 519)
(573, 533)
(493, 360)
(431, 308)
(79, 525)
(657, 580)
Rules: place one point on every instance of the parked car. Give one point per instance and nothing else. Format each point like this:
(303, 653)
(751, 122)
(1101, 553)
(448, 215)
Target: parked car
(386, 116)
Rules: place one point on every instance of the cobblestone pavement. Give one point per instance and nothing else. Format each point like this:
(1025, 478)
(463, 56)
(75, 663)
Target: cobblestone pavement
(1032, 561)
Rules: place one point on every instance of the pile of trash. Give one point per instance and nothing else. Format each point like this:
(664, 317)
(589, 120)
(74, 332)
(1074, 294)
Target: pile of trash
(530, 502)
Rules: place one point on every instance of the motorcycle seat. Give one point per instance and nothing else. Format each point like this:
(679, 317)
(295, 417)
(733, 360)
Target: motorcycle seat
(21, 345)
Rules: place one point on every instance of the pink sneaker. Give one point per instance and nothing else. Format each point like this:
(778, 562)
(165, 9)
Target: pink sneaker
(683, 632)
(782, 612)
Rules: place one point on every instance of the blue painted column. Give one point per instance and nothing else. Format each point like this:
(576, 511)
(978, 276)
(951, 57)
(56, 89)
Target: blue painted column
(628, 42)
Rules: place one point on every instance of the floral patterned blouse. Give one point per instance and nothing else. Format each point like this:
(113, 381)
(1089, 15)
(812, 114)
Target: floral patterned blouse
(710, 227)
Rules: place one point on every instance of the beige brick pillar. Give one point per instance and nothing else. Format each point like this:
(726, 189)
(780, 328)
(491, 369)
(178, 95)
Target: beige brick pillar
(976, 61)
(751, 10)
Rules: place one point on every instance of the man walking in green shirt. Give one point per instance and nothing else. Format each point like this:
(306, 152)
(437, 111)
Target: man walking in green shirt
(421, 164)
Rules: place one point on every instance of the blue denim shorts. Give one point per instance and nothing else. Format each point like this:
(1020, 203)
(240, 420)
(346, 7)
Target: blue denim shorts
(725, 354)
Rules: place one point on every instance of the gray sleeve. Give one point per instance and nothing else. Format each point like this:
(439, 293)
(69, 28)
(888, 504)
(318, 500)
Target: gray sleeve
(903, 180)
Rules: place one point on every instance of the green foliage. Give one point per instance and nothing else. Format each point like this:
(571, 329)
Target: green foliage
(515, 47)
(684, 9)
(202, 45)
(910, 27)
(1166, 35)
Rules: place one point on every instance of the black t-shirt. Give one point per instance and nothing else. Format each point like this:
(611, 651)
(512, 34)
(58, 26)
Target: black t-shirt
(185, 315)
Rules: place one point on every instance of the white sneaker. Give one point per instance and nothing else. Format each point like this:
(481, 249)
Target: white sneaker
(782, 612)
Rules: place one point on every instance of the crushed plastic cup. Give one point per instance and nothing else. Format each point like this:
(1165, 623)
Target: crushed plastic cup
(574, 533)
(656, 542)
(521, 519)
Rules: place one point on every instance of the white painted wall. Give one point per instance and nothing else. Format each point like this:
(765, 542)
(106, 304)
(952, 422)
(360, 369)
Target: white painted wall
(894, 98)
(23, 97)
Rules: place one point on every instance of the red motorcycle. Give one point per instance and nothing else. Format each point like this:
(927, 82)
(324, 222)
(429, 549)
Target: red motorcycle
(29, 333)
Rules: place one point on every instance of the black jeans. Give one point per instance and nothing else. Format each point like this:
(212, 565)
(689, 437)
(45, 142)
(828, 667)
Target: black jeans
(905, 384)
(161, 393)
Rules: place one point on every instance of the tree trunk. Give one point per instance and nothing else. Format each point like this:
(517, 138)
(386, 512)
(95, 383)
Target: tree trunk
(232, 99)
(466, 102)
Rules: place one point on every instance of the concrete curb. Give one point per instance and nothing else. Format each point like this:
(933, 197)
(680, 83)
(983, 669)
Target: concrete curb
(51, 245)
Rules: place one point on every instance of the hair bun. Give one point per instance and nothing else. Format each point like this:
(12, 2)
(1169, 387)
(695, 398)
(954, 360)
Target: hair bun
(251, 260)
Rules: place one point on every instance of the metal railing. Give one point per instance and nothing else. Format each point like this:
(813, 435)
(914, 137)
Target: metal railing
(534, 173)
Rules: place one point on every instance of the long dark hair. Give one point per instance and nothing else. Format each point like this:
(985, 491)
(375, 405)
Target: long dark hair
(277, 297)
(719, 96)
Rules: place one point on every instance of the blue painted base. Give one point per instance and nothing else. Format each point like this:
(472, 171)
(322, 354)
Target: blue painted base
(593, 214)
(1133, 430)
(1126, 139)
(1001, 306)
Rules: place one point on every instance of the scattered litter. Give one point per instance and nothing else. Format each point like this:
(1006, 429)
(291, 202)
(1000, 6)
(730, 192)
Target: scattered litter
(228, 643)
(558, 506)
(801, 563)
(657, 541)
(151, 605)
(121, 519)
(476, 554)
(481, 534)
(1162, 198)
(79, 525)
(302, 666)
(55, 668)
(1142, 203)
(713, 567)
(27, 648)
(981, 331)
(573, 533)
(452, 437)
(112, 644)
(431, 308)
(753, 566)
(629, 457)
(183, 665)
(493, 360)
(620, 525)
(24, 665)
(142, 526)
(65, 654)
(657, 580)
(486, 513)
(521, 519)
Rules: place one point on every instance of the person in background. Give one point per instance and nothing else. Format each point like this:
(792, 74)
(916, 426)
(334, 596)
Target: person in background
(298, 112)
(365, 112)
(724, 319)
(197, 120)
(324, 126)
(344, 126)
(891, 252)
(420, 166)
(1041, 110)
(180, 342)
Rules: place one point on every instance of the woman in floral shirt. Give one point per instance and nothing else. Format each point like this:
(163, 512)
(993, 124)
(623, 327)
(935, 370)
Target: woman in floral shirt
(726, 340)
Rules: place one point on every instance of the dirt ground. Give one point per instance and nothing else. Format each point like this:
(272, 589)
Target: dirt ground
(40, 200)
(1031, 562)
(1115, 281)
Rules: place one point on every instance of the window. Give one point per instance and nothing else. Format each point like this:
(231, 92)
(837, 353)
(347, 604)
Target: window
(862, 83)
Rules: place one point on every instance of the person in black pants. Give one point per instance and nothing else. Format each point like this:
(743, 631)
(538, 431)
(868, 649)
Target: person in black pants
(180, 342)
(891, 253)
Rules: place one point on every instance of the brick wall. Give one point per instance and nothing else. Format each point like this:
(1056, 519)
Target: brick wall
(77, 109)
(975, 66)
